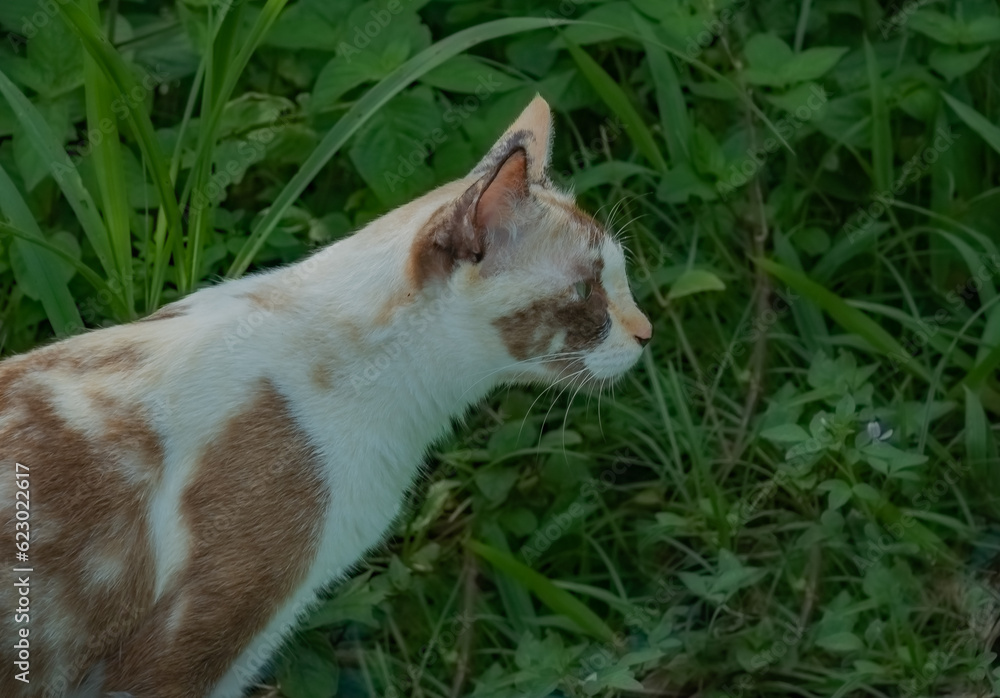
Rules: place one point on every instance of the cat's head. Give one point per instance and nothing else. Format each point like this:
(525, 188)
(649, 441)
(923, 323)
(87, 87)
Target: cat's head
(537, 278)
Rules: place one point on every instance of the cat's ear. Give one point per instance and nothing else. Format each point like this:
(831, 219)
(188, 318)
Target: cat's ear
(476, 227)
(532, 133)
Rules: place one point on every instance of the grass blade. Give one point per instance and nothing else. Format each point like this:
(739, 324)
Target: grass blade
(52, 290)
(669, 97)
(221, 75)
(92, 277)
(120, 77)
(976, 121)
(109, 168)
(63, 171)
(980, 447)
(881, 134)
(618, 102)
(984, 369)
(558, 600)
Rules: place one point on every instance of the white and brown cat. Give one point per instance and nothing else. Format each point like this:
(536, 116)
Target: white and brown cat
(192, 481)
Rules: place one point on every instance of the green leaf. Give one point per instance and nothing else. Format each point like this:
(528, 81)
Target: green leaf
(495, 483)
(773, 63)
(940, 27)
(839, 493)
(40, 266)
(312, 24)
(605, 173)
(309, 668)
(695, 281)
(558, 600)
(976, 121)
(812, 64)
(375, 60)
(680, 183)
(355, 601)
(951, 31)
(954, 64)
(606, 22)
(786, 433)
(767, 54)
(391, 152)
(64, 172)
(840, 642)
(978, 374)
(469, 75)
(730, 576)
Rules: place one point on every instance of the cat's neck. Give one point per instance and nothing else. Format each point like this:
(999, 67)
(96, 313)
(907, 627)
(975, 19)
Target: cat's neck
(364, 339)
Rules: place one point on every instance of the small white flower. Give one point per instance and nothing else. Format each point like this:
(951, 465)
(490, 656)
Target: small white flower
(874, 429)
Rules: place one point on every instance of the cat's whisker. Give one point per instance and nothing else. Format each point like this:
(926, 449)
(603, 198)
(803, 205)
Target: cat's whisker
(561, 391)
(525, 363)
(539, 397)
(583, 384)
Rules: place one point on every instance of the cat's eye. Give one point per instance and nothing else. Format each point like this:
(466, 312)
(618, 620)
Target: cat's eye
(583, 289)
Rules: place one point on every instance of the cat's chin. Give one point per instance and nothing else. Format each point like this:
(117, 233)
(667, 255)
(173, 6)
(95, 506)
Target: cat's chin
(577, 375)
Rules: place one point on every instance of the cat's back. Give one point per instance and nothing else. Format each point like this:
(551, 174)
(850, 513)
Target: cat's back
(92, 429)
(78, 458)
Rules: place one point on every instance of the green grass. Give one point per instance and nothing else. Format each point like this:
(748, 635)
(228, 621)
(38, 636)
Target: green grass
(796, 493)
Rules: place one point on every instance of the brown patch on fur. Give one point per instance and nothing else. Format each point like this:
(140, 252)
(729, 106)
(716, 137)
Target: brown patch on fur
(76, 357)
(580, 218)
(129, 424)
(385, 313)
(268, 298)
(444, 241)
(78, 496)
(244, 562)
(321, 377)
(530, 331)
(167, 312)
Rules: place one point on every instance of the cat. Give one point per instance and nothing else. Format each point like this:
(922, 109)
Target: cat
(185, 486)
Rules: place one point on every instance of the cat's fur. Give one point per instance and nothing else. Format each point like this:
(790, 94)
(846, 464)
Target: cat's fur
(196, 478)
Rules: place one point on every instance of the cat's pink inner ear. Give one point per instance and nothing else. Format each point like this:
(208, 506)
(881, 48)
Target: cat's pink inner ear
(509, 186)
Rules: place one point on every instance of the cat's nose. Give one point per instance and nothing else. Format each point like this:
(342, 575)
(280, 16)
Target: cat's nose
(643, 332)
